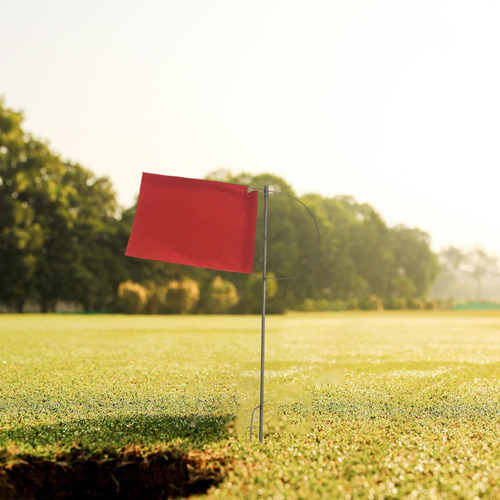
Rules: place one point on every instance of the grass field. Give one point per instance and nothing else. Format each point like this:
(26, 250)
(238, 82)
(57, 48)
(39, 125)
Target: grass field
(358, 405)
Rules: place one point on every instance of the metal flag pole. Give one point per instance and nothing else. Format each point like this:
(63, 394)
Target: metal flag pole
(263, 327)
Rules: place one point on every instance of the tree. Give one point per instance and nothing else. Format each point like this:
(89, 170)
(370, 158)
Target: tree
(414, 258)
(57, 225)
(359, 255)
(369, 247)
(478, 263)
(63, 237)
(466, 275)
(27, 193)
(452, 258)
(98, 246)
(291, 238)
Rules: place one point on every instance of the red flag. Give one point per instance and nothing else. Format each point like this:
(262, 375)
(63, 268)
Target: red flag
(194, 222)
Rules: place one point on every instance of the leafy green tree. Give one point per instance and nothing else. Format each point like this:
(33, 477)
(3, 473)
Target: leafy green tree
(28, 191)
(98, 241)
(414, 259)
(57, 226)
(334, 274)
(370, 248)
(291, 239)
(359, 255)
(63, 237)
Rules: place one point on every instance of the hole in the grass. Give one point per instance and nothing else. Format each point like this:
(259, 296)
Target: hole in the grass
(129, 474)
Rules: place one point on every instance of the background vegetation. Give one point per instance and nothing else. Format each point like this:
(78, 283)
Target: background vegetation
(63, 238)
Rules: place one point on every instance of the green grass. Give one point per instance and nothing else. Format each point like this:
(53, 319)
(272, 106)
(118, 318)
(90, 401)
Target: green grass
(358, 405)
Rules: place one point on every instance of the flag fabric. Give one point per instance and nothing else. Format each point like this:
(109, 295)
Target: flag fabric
(195, 222)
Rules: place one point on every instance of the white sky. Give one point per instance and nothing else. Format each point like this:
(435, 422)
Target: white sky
(394, 102)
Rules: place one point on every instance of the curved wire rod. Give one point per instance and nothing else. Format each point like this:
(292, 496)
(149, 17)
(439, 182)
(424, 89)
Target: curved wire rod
(314, 257)
(251, 420)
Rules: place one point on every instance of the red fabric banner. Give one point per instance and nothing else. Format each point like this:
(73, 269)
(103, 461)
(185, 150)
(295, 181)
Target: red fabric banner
(195, 222)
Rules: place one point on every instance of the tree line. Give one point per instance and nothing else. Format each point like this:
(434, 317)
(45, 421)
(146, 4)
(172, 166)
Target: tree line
(63, 238)
(467, 275)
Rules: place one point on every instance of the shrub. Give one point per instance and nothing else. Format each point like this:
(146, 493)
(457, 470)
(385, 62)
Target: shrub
(317, 305)
(223, 296)
(431, 304)
(132, 297)
(353, 304)
(254, 295)
(339, 305)
(398, 303)
(323, 305)
(156, 298)
(311, 305)
(417, 304)
(182, 296)
(374, 303)
(308, 305)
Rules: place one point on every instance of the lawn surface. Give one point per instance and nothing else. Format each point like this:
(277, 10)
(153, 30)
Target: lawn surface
(358, 405)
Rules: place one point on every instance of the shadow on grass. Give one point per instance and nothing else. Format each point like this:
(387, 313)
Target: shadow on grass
(116, 432)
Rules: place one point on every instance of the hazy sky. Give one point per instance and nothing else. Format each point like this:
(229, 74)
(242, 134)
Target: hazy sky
(394, 102)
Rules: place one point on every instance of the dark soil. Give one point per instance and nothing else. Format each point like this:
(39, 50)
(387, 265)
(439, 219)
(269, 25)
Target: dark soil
(129, 474)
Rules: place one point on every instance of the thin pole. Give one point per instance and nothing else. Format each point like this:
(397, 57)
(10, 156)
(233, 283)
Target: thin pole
(263, 327)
